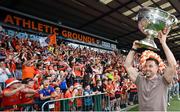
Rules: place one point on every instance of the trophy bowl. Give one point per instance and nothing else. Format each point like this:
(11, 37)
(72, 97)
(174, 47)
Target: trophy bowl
(150, 22)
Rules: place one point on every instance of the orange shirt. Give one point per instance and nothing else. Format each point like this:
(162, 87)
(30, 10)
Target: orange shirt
(110, 88)
(10, 100)
(28, 72)
(78, 70)
(57, 103)
(68, 94)
(25, 99)
(79, 101)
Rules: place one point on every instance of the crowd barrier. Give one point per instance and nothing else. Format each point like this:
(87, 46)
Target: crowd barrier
(95, 102)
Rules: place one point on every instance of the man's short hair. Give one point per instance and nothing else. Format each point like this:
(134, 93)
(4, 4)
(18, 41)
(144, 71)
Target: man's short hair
(152, 59)
(26, 80)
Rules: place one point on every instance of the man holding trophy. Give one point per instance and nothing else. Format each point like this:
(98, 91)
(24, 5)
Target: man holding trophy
(152, 87)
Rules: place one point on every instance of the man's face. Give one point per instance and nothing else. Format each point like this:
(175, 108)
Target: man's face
(55, 68)
(99, 84)
(58, 90)
(2, 65)
(109, 81)
(46, 83)
(31, 83)
(151, 68)
(71, 88)
(41, 67)
(87, 87)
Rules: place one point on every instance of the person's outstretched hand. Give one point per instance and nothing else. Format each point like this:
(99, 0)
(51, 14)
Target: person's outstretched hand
(135, 46)
(163, 35)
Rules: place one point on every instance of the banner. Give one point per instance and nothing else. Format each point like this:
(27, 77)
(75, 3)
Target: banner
(52, 39)
(43, 41)
(24, 21)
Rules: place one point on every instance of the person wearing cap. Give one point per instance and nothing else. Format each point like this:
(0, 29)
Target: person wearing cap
(11, 94)
(153, 87)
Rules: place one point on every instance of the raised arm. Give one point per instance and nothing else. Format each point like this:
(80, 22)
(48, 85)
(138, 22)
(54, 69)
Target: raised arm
(171, 67)
(132, 72)
(10, 93)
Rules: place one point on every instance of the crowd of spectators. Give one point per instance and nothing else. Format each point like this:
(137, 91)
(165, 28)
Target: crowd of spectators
(30, 73)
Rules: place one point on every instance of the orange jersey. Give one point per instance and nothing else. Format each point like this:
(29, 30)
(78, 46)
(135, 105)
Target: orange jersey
(28, 72)
(10, 100)
(68, 94)
(26, 99)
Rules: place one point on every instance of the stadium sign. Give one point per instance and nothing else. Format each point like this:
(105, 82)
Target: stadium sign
(10, 18)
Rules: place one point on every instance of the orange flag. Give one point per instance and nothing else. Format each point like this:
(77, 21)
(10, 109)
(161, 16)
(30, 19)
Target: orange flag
(52, 39)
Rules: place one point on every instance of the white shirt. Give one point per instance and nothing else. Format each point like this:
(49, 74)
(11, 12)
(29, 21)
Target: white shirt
(4, 74)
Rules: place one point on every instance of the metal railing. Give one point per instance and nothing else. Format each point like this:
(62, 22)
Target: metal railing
(95, 102)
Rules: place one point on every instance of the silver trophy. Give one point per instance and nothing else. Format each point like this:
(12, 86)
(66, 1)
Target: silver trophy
(151, 21)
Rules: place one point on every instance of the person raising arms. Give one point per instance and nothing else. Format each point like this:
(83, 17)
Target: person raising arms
(152, 88)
